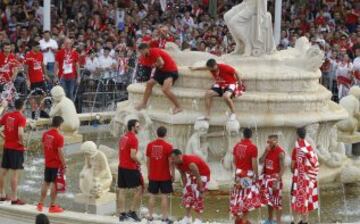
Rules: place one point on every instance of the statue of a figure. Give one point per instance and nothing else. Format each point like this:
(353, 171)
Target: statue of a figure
(64, 107)
(95, 177)
(195, 145)
(251, 27)
(232, 133)
(351, 104)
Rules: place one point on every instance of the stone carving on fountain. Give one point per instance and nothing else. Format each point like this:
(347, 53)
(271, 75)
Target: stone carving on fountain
(197, 143)
(95, 182)
(348, 128)
(64, 107)
(95, 176)
(283, 93)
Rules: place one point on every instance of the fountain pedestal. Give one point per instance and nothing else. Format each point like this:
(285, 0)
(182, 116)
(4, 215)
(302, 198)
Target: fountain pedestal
(105, 205)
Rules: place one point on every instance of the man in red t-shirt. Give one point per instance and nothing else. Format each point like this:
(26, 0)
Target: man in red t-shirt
(271, 182)
(13, 155)
(227, 83)
(35, 70)
(160, 173)
(166, 74)
(8, 65)
(245, 195)
(53, 144)
(195, 176)
(129, 176)
(67, 68)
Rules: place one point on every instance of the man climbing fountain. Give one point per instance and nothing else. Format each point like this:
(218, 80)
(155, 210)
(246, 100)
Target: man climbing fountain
(166, 74)
(195, 176)
(227, 85)
(53, 144)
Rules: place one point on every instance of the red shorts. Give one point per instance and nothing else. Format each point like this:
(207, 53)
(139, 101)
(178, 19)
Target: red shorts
(192, 197)
(245, 195)
(271, 190)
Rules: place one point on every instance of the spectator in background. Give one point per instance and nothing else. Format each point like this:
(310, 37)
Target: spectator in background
(344, 76)
(92, 64)
(67, 68)
(48, 47)
(107, 64)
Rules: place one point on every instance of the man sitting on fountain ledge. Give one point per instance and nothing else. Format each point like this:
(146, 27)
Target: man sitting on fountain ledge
(227, 85)
(166, 74)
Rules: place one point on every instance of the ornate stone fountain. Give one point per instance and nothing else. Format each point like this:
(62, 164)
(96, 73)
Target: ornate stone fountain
(283, 93)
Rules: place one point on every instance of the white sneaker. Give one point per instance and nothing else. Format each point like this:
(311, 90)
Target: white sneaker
(197, 221)
(186, 220)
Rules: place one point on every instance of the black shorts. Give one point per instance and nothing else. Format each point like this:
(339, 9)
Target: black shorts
(39, 87)
(161, 76)
(50, 174)
(129, 178)
(13, 159)
(165, 187)
(230, 88)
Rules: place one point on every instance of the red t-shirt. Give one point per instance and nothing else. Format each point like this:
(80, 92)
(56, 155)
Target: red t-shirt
(158, 153)
(154, 54)
(52, 142)
(7, 63)
(67, 61)
(272, 161)
(12, 121)
(34, 62)
(243, 153)
(126, 143)
(225, 74)
(204, 169)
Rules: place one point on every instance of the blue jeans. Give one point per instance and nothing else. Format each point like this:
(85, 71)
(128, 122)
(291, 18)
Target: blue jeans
(50, 66)
(69, 87)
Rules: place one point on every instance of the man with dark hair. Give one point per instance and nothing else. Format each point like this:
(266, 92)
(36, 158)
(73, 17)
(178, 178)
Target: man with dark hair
(245, 195)
(166, 74)
(36, 75)
(271, 178)
(49, 47)
(305, 169)
(227, 85)
(160, 173)
(129, 176)
(53, 144)
(13, 155)
(195, 176)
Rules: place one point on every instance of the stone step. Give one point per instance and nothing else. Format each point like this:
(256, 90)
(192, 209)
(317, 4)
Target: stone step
(266, 102)
(261, 80)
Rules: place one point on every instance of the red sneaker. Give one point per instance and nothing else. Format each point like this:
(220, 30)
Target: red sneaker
(18, 202)
(40, 207)
(55, 209)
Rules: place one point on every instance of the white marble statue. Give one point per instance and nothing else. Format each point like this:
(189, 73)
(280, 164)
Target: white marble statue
(197, 143)
(95, 177)
(351, 104)
(251, 27)
(64, 107)
(232, 133)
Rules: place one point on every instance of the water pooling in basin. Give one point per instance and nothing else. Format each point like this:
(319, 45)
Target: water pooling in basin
(338, 203)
